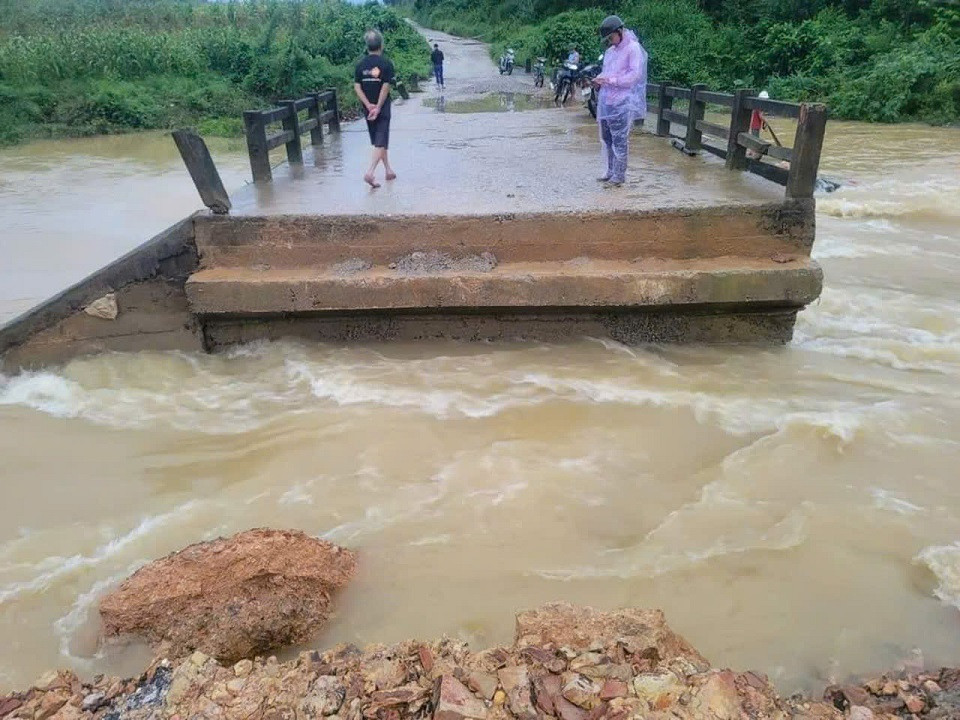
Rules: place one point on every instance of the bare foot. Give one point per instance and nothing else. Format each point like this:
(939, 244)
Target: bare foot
(371, 181)
(391, 176)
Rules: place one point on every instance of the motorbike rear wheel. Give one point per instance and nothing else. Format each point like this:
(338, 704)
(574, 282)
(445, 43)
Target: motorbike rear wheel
(563, 91)
(538, 81)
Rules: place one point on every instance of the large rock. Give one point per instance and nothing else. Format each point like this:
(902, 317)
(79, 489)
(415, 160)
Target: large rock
(232, 598)
(644, 634)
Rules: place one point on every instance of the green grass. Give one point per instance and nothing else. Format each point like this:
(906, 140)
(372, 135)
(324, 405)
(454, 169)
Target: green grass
(80, 67)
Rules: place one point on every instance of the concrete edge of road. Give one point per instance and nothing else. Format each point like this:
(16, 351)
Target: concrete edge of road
(171, 253)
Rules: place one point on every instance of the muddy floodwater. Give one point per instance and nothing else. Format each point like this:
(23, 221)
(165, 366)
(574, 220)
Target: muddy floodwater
(794, 510)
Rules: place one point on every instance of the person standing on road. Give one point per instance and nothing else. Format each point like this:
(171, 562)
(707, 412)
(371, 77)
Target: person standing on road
(372, 80)
(437, 58)
(622, 97)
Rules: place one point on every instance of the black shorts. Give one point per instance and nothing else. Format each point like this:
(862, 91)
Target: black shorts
(380, 129)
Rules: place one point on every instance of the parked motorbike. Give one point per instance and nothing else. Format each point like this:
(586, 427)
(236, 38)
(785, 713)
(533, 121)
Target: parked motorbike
(507, 61)
(590, 93)
(538, 72)
(564, 82)
(572, 77)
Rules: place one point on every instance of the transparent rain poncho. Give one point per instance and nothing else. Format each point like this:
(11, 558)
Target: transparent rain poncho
(622, 101)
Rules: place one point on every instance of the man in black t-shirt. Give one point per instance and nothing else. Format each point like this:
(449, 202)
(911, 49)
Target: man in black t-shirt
(372, 80)
(437, 58)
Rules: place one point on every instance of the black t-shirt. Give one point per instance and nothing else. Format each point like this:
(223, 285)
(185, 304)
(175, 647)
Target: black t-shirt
(437, 57)
(372, 72)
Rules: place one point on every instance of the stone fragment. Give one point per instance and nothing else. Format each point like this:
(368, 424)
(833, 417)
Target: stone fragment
(104, 308)
(581, 691)
(232, 598)
(9, 704)
(48, 681)
(68, 712)
(483, 684)
(199, 659)
(914, 704)
(385, 674)
(931, 687)
(93, 701)
(859, 712)
(220, 695)
(453, 701)
(566, 710)
(609, 671)
(547, 658)
(426, 658)
(546, 689)
(499, 697)
(50, 704)
(236, 685)
(717, 698)
(411, 697)
(614, 689)
(586, 660)
(516, 683)
(845, 696)
(325, 697)
(243, 668)
(658, 690)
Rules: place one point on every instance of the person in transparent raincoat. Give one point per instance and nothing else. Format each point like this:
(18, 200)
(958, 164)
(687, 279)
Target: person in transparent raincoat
(622, 98)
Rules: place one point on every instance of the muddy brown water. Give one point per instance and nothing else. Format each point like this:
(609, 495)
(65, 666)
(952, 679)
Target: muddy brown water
(794, 510)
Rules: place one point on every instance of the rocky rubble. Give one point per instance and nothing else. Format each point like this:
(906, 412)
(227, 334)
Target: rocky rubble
(566, 663)
(232, 598)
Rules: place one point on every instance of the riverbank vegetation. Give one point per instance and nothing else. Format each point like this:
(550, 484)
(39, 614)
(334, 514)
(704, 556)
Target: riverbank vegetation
(81, 67)
(874, 60)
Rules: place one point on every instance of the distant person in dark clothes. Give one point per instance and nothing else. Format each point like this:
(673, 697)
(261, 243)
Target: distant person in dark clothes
(437, 57)
(372, 80)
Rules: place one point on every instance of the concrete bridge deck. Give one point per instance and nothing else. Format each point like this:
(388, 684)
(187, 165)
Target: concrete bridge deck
(532, 161)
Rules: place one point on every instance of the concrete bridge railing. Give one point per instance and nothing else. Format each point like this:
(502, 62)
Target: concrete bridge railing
(321, 109)
(732, 141)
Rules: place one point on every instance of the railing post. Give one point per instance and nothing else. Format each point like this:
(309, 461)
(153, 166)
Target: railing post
(664, 102)
(291, 123)
(739, 122)
(333, 105)
(316, 134)
(693, 141)
(202, 170)
(807, 146)
(256, 130)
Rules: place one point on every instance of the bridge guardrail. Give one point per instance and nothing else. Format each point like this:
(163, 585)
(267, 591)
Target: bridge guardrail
(321, 108)
(735, 139)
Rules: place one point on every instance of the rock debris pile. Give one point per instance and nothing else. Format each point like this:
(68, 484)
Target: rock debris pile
(566, 663)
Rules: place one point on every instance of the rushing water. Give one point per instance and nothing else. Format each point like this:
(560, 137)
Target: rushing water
(794, 510)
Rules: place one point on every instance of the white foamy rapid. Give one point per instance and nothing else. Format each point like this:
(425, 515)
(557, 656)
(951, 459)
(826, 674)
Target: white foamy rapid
(944, 562)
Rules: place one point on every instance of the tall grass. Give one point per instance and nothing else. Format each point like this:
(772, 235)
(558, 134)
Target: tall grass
(87, 66)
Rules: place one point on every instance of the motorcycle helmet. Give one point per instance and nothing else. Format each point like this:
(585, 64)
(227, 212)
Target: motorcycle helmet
(764, 95)
(610, 25)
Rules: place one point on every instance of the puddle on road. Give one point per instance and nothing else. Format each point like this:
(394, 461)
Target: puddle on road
(496, 102)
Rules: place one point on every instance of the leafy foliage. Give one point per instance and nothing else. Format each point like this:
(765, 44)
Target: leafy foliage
(876, 60)
(92, 66)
